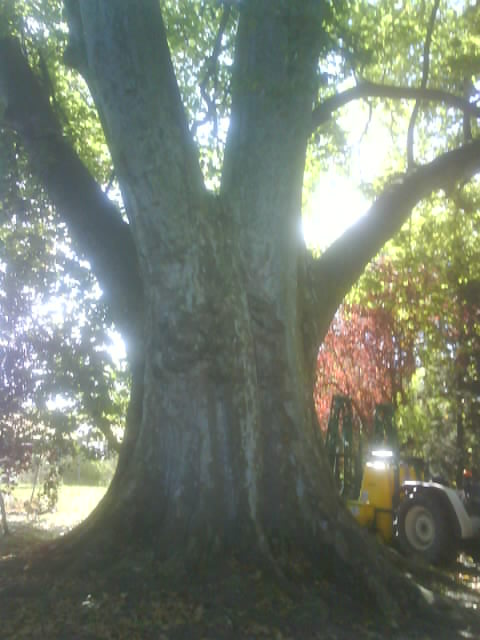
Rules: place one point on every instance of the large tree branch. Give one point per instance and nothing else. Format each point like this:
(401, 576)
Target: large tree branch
(325, 110)
(329, 278)
(94, 222)
(122, 52)
(273, 79)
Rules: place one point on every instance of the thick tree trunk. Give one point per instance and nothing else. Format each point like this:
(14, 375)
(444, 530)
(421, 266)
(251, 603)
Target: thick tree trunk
(227, 451)
(227, 448)
(228, 459)
(225, 457)
(221, 450)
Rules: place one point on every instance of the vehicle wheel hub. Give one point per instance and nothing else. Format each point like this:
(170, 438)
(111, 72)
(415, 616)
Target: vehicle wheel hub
(420, 527)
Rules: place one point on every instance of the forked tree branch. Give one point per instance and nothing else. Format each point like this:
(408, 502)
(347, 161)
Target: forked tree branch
(326, 109)
(94, 222)
(333, 274)
(133, 84)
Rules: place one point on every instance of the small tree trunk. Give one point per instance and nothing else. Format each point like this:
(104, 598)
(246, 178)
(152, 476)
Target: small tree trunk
(3, 512)
(460, 440)
(38, 463)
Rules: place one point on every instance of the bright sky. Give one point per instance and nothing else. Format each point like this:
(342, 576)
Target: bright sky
(337, 201)
(336, 205)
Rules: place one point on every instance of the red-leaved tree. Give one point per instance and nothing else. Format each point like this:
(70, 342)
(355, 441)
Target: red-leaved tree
(368, 355)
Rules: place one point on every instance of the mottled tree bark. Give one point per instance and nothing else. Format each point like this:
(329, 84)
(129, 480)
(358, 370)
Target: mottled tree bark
(227, 450)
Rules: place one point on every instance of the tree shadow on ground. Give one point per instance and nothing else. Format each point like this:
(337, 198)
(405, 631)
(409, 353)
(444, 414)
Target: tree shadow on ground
(134, 599)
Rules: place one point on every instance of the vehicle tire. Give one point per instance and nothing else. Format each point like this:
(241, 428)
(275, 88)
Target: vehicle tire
(424, 530)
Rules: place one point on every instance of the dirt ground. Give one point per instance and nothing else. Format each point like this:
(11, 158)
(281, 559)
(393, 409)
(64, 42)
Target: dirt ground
(132, 601)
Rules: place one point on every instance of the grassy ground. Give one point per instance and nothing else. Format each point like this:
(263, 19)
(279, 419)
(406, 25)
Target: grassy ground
(74, 504)
(133, 604)
(28, 528)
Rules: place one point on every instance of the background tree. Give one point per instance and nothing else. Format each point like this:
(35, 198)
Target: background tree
(56, 372)
(424, 289)
(443, 276)
(221, 306)
(367, 355)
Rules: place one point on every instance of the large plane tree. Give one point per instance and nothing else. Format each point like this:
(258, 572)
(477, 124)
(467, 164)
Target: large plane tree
(221, 305)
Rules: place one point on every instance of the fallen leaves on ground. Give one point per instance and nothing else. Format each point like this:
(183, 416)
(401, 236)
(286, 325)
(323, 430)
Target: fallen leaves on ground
(132, 602)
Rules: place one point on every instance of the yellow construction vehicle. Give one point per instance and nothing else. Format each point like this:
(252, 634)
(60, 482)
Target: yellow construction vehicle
(388, 493)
